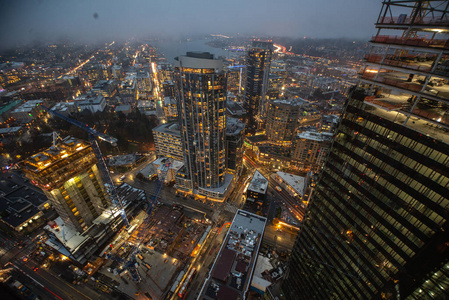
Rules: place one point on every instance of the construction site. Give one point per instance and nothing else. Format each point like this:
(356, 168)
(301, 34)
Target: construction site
(166, 245)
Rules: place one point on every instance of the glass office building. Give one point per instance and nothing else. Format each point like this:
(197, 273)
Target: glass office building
(377, 222)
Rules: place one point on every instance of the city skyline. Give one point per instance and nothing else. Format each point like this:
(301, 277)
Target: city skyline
(30, 21)
(192, 154)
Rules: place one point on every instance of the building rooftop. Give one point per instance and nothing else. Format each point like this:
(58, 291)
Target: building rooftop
(290, 102)
(28, 106)
(169, 128)
(316, 136)
(232, 271)
(258, 183)
(234, 126)
(63, 106)
(169, 101)
(54, 166)
(199, 60)
(298, 183)
(234, 108)
(10, 130)
(9, 106)
(124, 107)
(122, 160)
(257, 138)
(90, 100)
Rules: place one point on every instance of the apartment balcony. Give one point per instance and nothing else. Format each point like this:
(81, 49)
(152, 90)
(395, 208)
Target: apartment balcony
(402, 20)
(413, 42)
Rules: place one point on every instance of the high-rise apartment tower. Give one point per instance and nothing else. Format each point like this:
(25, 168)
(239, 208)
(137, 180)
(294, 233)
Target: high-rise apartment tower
(201, 88)
(257, 74)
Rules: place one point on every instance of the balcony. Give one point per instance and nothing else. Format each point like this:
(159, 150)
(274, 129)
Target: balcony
(404, 20)
(413, 42)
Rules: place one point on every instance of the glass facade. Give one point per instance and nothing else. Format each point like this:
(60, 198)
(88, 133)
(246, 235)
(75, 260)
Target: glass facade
(201, 84)
(257, 74)
(377, 222)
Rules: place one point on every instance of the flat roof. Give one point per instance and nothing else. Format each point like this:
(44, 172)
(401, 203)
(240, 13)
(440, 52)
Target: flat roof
(28, 106)
(298, 183)
(232, 271)
(9, 106)
(316, 136)
(169, 128)
(234, 126)
(10, 130)
(258, 183)
(224, 264)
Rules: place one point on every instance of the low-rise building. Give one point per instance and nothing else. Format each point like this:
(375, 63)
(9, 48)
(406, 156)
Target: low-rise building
(167, 139)
(21, 205)
(5, 110)
(106, 88)
(125, 108)
(65, 108)
(91, 103)
(235, 109)
(231, 274)
(27, 111)
(257, 190)
(11, 131)
(295, 185)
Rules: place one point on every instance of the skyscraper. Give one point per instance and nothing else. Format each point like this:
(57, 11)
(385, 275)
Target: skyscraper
(257, 74)
(377, 222)
(201, 88)
(69, 177)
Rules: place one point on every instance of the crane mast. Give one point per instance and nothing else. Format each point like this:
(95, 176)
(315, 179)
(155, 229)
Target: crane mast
(93, 134)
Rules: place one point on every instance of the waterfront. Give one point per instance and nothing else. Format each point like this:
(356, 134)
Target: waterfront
(172, 48)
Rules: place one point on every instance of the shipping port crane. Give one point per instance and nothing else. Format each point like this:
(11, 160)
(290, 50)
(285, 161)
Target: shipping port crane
(93, 135)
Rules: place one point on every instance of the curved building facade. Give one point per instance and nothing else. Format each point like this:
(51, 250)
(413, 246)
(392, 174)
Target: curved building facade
(201, 88)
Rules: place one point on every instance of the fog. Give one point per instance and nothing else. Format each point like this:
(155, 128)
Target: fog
(24, 21)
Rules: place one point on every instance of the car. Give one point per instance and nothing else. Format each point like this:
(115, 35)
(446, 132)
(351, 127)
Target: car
(166, 261)
(35, 269)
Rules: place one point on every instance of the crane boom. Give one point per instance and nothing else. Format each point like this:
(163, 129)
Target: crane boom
(93, 134)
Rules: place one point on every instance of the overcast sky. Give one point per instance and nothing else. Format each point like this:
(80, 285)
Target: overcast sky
(27, 20)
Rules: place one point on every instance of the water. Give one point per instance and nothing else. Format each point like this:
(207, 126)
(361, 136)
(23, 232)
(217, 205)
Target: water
(171, 49)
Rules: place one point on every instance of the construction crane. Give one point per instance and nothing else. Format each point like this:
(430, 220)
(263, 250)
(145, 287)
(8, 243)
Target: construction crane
(131, 265)
(93, 134)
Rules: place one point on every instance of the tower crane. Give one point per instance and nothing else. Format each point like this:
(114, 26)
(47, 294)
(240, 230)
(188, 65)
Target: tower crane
(131, 264)
(93, 134)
